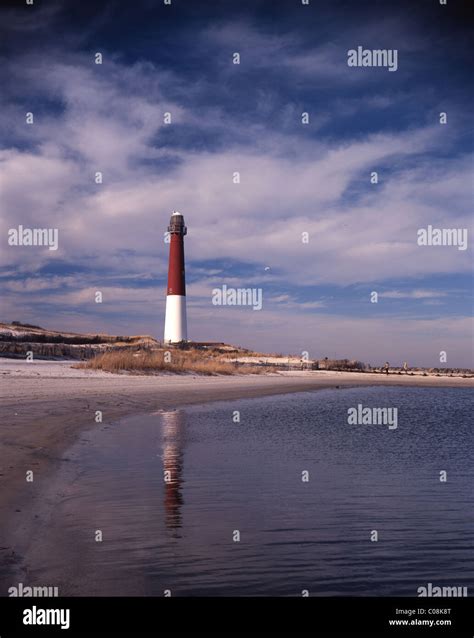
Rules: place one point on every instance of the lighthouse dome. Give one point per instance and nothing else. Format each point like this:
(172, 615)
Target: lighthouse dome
(177, 224)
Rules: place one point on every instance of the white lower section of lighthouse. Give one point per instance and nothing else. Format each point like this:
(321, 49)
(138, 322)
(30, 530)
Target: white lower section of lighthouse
(175, 319)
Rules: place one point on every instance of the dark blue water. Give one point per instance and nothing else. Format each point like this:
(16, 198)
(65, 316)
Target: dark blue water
(246, 476)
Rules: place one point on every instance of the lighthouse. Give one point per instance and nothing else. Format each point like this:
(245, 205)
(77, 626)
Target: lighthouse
(175, 319)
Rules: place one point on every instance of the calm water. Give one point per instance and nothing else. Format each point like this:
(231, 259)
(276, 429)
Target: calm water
(247, 476)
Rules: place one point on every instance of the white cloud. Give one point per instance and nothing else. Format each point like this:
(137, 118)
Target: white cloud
(412, 294)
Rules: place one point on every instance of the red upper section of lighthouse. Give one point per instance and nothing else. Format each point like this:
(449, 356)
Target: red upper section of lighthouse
(176, 279)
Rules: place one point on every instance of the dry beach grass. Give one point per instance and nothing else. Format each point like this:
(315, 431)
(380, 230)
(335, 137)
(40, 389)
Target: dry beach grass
(178, 362)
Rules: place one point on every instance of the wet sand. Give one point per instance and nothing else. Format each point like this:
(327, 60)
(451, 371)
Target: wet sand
(46, 405)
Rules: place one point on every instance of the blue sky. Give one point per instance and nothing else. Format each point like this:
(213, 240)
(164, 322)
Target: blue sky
(295, 178)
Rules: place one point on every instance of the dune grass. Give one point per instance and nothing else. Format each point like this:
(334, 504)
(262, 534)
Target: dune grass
(176, 361)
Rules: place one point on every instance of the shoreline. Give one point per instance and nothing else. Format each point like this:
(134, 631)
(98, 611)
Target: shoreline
(45, 406)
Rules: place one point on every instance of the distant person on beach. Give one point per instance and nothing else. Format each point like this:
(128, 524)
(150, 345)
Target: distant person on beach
(405, 367)
(386, 367)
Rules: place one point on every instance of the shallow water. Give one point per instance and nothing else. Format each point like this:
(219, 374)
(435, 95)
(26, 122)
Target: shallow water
(246, 476)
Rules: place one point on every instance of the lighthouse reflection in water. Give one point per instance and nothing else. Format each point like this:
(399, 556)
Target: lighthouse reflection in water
(173, 423)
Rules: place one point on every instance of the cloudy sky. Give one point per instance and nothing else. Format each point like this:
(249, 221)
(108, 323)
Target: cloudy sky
(295, 178)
